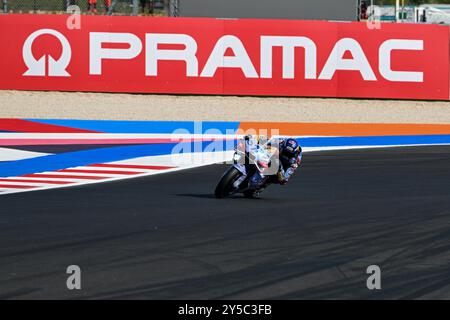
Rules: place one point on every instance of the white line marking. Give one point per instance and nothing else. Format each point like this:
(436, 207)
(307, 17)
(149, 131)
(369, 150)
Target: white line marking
(89, 136)
(31, 184)
(7, 154)
(40, 178)
(104, 168)
(82, 174)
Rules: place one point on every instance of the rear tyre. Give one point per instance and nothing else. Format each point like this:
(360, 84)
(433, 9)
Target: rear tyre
(225, 185)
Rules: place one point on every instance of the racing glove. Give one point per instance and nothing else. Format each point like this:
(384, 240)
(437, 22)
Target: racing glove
(282, 176)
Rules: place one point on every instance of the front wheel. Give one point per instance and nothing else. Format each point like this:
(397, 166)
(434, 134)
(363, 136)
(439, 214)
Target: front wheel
(225, 186)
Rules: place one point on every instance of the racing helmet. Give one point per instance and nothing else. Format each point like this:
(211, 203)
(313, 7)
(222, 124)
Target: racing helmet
(291, 148)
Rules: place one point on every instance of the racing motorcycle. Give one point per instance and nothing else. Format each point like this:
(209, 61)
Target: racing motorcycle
(251, 157)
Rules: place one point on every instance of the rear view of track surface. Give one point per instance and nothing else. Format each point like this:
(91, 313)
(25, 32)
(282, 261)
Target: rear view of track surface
(166, 236)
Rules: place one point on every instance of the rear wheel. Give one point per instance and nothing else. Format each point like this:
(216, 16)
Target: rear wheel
(225, 186)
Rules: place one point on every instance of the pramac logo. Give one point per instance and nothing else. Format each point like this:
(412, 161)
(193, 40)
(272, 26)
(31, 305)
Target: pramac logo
(56, 68)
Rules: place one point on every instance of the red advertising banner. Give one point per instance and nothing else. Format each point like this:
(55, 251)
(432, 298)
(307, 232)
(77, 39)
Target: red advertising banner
(231, 57)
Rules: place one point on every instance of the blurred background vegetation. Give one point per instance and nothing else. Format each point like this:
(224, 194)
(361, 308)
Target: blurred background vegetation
(125, 6)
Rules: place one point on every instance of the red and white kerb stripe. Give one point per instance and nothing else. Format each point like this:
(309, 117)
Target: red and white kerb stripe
(93, 173)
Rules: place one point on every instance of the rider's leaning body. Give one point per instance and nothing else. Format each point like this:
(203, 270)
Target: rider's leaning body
(289, 154)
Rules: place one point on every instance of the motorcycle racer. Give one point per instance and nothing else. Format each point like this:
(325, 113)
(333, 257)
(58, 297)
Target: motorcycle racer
(257, 163)
(289, 153)
(290, 156)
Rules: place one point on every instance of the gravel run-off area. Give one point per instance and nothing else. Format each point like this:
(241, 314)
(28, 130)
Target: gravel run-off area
(114, 106)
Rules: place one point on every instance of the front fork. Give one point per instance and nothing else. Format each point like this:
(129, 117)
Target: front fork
(252, 185)
(243, 170)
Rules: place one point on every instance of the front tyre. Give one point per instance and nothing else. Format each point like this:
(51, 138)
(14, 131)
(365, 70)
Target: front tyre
(225, 186)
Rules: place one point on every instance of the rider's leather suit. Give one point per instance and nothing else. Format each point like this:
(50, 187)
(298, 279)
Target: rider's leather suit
(287, 167)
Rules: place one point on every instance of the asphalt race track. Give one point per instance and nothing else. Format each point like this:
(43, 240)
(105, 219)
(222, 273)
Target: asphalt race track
(165, 236)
